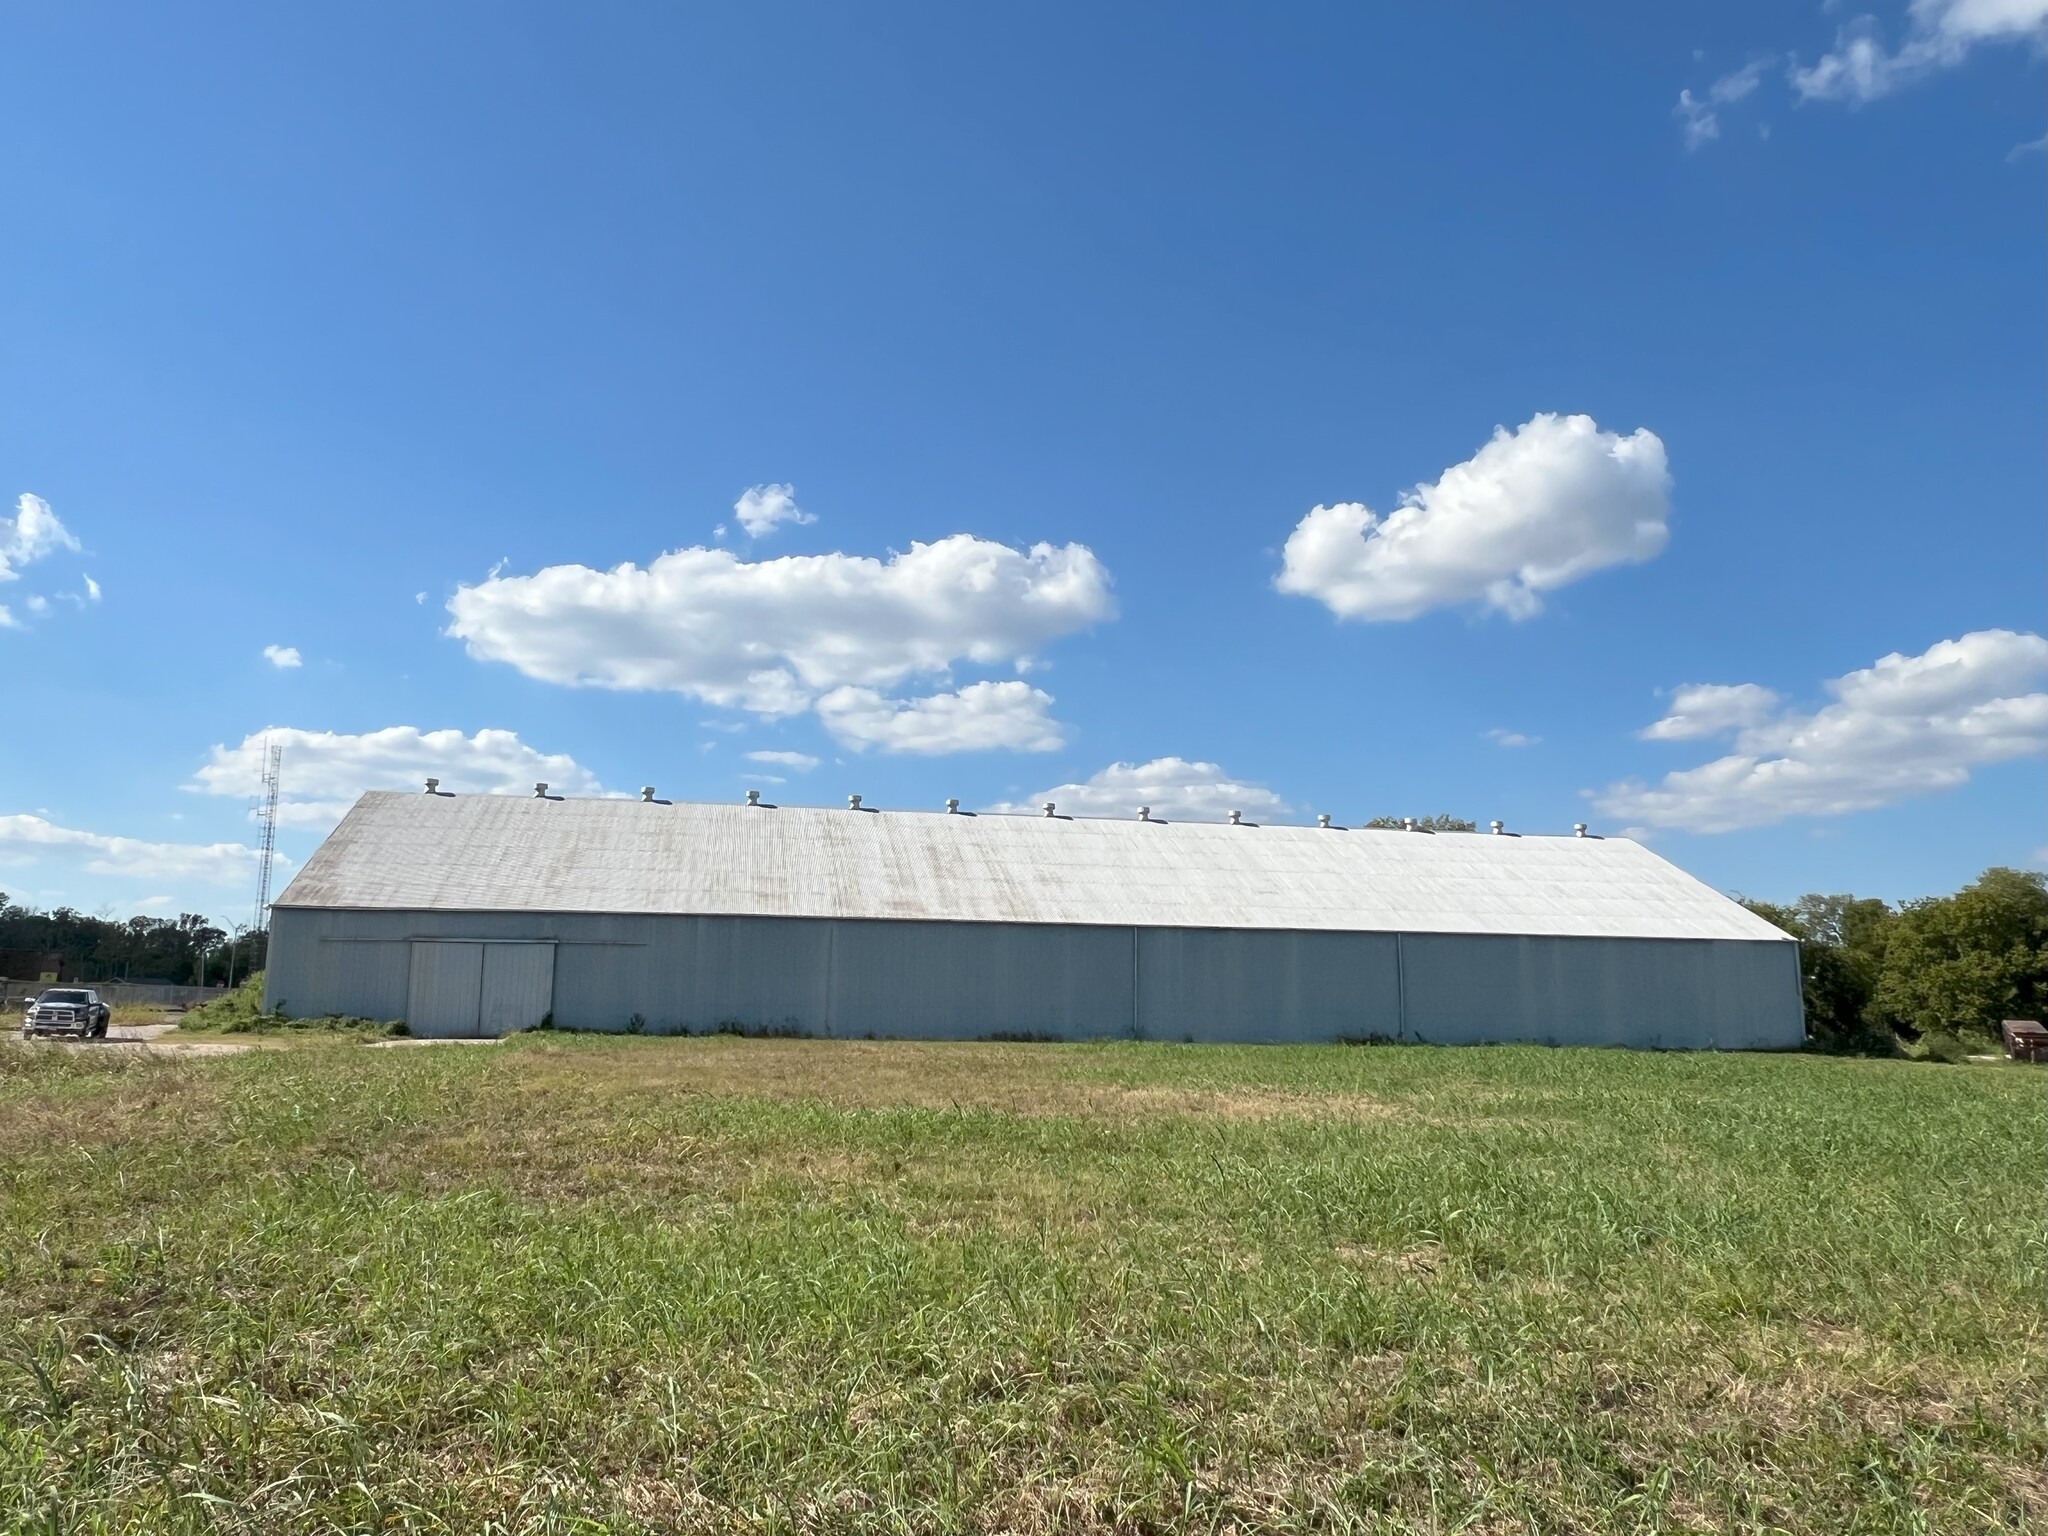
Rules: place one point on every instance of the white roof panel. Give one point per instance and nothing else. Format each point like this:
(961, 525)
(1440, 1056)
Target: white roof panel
(487, 853)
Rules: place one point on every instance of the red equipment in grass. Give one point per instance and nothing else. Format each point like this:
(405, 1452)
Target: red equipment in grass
(2025, 1040)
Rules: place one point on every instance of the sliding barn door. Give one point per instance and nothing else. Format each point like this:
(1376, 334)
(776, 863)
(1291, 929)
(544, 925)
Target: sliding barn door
(518, 987)
(447, 982)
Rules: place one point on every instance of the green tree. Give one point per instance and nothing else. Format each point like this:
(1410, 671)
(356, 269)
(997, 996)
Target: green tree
(1442, 823)
(1858, 926)
(1841, 951)
(107, 949)
(1959, 964)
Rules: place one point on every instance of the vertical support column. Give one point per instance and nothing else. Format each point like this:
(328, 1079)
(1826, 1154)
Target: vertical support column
(1137, 971)
(1400, 991)
(831, 977)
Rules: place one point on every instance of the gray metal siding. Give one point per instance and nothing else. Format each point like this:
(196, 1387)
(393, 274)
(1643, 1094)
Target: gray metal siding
(952, 981)
(306, 973)
(1215, 984)
(963, 980)
(1662, 993)
(695, 973)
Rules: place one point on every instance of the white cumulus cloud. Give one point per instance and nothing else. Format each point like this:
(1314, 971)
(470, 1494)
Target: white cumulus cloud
(802, 762)
(772, 636)
(761, 508)
(1699, 710)
(1502, 737)
(282, 657)
(764, 635)
(225, 864)
(1174, 788)
(1940, 34)
(982, 717)
(32, 533)
(1535, 509)
(1907, 726)
(324, 771)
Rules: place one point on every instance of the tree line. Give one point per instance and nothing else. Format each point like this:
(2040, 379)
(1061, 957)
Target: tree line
(1934, 977)
(186, 950)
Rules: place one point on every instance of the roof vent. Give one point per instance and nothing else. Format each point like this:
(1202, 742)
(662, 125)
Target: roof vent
(1144, 813)
(1407, 823)
(433, 786)
(952, 807)
(1498, 827)
(1237, 818)
(753, 797)
(853, 802)
(1051, 811)
(647, 793)
(1578, 829)
(540, 791)
(1323, 820)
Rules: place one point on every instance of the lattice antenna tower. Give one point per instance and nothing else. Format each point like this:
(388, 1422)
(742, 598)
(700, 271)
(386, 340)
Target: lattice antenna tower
(273, 765)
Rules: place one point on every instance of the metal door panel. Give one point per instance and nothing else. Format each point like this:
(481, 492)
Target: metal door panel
(518, 987)
(445, 990)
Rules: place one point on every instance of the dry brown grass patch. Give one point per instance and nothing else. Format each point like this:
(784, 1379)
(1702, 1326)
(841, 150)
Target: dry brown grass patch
(888, 1074)
(148, 1099)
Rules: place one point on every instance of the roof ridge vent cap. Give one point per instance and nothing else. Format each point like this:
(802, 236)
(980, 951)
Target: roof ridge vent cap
(853, 802)
(1052, 811)
(1498, 827)
(952, 807)
(1578, 829)
(1144, 813)
(647, 793)
(433, 786)
(753, 797)
(1237, 818)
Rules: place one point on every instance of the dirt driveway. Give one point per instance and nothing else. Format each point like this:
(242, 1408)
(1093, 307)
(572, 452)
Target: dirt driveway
(139, 1037)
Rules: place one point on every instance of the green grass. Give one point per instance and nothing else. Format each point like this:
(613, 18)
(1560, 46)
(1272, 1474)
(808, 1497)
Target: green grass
(240, 1012)
(589, 1285)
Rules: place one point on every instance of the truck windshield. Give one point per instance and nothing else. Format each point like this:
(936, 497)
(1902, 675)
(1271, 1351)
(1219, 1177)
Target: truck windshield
(63, 997)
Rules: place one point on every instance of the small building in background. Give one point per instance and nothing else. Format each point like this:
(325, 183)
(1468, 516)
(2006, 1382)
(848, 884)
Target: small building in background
(46, 967)
(480, 914)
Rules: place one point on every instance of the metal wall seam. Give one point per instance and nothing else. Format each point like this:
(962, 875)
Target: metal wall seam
(1137, 976)
(1400, 992)
(831, 979)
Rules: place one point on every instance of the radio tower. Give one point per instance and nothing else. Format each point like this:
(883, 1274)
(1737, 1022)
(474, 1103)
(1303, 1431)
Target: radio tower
(267, 817)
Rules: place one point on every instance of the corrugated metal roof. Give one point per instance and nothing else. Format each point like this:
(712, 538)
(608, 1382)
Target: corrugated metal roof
(496, 853)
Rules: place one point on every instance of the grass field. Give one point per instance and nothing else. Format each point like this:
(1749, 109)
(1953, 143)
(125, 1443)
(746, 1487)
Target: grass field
(578, 1285)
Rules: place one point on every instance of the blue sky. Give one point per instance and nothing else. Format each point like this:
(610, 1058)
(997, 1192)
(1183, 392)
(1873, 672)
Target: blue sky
(1679, 457)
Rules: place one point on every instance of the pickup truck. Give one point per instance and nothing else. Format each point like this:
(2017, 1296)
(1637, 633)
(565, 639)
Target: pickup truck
(67, 1011)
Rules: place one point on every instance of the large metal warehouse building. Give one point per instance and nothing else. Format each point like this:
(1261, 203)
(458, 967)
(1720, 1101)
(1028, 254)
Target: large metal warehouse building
(486, 913)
